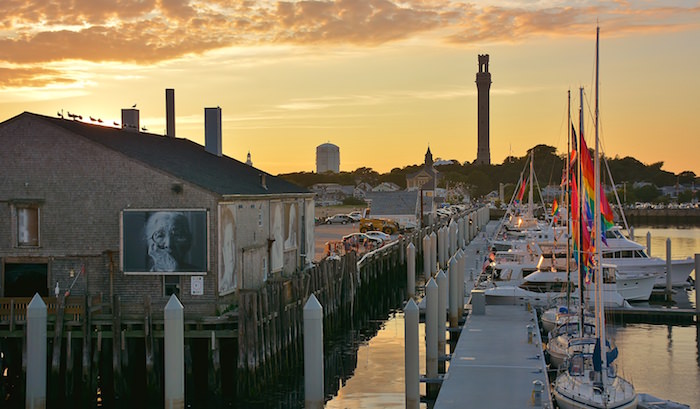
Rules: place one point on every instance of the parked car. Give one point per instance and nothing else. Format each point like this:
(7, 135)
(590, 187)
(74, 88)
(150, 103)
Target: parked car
(361, 242)
(339, 219)
(355, 216)
(379, 235)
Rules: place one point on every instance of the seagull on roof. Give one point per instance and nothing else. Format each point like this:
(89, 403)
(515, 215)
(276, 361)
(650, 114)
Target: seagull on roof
(133, 106)
(93, 119)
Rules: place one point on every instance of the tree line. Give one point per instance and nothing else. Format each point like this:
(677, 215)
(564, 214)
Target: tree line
(479, 180)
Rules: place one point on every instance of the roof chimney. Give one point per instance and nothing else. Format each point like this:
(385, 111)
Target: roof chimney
(130, 119)
(212, 130)
(170, 112)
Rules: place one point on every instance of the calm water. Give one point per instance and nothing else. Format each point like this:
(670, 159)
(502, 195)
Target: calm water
(661, 360)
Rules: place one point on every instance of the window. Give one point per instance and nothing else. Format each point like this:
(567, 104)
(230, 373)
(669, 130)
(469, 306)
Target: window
(28, 226)
(171, 285)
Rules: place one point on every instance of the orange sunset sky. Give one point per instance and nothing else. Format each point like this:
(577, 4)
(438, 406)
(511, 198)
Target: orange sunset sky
(382, 79)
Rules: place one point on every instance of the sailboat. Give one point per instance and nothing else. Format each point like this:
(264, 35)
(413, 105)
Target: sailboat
(590, 380)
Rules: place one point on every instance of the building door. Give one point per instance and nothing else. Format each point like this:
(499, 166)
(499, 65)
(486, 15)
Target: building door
(25, 279)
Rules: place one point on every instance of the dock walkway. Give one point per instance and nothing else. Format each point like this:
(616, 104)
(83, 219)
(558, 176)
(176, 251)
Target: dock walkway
(494, 364)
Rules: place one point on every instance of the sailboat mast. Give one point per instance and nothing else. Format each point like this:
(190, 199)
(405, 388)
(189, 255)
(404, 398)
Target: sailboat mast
(579, 199)
(530, 205)
(597, 215)
(566, 200)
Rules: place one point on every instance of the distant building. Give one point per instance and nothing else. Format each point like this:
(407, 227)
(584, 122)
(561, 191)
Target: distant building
(327, 158)
(248, 160)
(425, 178)
(386, 187)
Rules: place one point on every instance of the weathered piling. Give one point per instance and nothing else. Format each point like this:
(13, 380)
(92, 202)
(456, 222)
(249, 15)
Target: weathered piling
(411, 355)
(649, 243)
(453, 294)
(313, 354)
(452, 229)
(174, 362)
(35, 397)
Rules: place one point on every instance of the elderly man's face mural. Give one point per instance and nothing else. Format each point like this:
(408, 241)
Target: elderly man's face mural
(169, 238)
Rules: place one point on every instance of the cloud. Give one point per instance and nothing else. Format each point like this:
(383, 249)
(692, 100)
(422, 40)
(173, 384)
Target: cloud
(145, 32)
(30, 77)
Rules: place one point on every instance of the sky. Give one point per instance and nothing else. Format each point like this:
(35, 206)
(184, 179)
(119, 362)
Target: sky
(382, 79)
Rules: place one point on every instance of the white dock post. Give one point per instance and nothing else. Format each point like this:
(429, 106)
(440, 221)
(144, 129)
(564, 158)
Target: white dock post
(427, 249)
(461, 267)
(174, 367)
(433, 254)
(453, 238)
(431, 342)
(668, 269)
(412, 376)
(411, 269)
(313, 354)
(460, 233)
(443, 291)
(632, 233)
(454, 288)
(441, 247)
(697, 293)
(649, 243)
(36, 354)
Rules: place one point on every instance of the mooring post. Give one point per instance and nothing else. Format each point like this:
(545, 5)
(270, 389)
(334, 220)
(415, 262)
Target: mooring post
(174, 360)
(632, 233)
(453, 238)
(36, 354)
(453, 294)
(313, 354)
(411, 355)
(431, 342)
(411, 269)
(441, 247)
(697, 293)
(443, 291)
(461, 266)
(427, 248)
(433, 253)
(668, 269)
(649, 243)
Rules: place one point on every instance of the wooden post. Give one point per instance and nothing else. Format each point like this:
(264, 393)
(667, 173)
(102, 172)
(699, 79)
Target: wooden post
(411, 269)
(313, 354)
(116, 346)
(461, 267)
(152, 382)
(36, 354)
(174, 360)
(57, 346)
(69, 365)
(214, 373)
(411, 355)
(649, 243)
(87, 393)
(453, 294)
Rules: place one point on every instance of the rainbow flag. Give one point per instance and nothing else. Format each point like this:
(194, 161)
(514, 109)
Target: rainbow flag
(521, 192)
(555, 208)
(589, 183)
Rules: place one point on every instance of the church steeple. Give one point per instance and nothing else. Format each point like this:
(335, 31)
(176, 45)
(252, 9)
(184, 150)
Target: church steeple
(428, 158)
(248, 161)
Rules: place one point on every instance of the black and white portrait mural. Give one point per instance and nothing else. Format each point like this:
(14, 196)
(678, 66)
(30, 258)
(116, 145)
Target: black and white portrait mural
(164, 241)
(290, 231)
(228, 258)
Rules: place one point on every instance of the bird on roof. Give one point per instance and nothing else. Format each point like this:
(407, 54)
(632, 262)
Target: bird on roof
(60, 114)
(93, 119)
(133, 106)
(143, 128)
(99, 120)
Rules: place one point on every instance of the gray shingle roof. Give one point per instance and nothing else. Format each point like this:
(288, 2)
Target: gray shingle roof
(179, 157)
(395, 203)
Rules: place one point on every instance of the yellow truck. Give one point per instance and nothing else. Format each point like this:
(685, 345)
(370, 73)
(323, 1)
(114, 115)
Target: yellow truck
(387, 226)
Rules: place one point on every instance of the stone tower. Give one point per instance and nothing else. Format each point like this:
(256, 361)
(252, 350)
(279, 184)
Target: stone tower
(483, 86)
